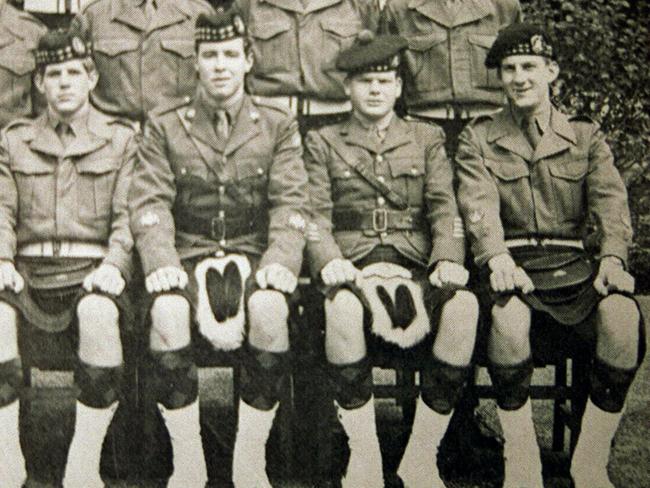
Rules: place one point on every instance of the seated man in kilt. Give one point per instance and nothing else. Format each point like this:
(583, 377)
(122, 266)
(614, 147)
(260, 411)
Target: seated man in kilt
(530, 177)
(217, 206)
(387, 244)
(65, 247)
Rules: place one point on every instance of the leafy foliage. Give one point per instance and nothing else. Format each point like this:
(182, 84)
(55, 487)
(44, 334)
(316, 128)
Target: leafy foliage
(604, 54)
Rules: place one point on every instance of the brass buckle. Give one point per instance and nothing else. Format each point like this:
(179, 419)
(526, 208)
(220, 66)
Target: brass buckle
(218, 227)
(379, 220)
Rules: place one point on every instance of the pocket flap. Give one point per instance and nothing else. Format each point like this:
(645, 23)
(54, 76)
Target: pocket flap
(97, 166)
(424, 43)
(250, 170)
(113, 47)
(19, 65)
(268, 30)
(404, 167)
(182, 47)
(569, 170)
(482, 40)
(341, 29)
(33, 166)
(507, 171)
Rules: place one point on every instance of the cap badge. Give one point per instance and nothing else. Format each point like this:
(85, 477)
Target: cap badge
(78, 46)
(537, 44)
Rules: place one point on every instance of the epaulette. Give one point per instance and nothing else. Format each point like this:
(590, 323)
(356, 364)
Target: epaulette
(265, 102)
(171, 104)
(581, 118)
(479, 119)
(19, 122)
(128, 123)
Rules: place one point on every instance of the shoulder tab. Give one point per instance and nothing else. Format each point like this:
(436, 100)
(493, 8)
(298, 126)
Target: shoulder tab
(263, 102)
(130, 124)
(171, 104)
(581, 118)
(17, 123)
(481, 119)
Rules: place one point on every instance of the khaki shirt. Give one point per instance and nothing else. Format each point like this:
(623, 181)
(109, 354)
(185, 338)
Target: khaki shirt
(259, 166)
(411, 160)
(19, 34)
(48, 193)
(141, 64)
(446, 52)
(296, 47)
(509, 190)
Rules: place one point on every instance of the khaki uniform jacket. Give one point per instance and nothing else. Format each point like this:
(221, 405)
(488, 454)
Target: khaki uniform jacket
(295, 48)
(261, 159)
(508, 190)
(77, 194)
(141, 65)
(446, 54)
(412, 161)
(19, 34)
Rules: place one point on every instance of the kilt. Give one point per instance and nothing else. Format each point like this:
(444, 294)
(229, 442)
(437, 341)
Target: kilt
(53, 288)
(435, 298)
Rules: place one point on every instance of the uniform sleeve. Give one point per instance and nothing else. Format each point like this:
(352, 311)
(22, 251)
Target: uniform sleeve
(8, 204)
(151, 196)
(323, 248)
(448, 241)
(288, 200)
(369, 11)
(607, 200)
(120, 242)
(478, 199)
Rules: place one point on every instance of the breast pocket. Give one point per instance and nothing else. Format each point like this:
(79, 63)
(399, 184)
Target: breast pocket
(482, 77)
(337, 35)
(428, 51)
(178, 65)
(116, 59)
(512, 180)
(252, 182)
(36, 186)
(96, 186)
(408, 178)
(16, 66)
(348, 186)
(568, 180)
(272, 42)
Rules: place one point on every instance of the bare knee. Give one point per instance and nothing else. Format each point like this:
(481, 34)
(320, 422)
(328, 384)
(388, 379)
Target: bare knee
(618, 331)
(267, 314)
(8, 332)
(510, 332)
(170, 323)
(344, 316)
(99, 331)
(457, 327)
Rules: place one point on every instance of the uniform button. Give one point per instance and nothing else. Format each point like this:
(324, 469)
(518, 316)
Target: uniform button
(183, 171)
(346, 174)
(187, 99)
(384, 234)
(260, 171)
(381, 200)
(381, 179)
(414, 171)
(379, 158)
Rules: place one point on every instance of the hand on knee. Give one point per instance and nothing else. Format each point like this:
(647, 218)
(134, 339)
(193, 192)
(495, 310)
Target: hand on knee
(170, 323)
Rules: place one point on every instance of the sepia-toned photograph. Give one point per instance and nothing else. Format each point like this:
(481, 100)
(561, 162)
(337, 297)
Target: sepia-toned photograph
(324, 243)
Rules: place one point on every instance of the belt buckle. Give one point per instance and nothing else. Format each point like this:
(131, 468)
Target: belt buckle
(218, 227)
(379, 220)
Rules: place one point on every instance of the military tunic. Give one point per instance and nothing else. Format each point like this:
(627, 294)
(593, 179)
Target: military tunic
(187, 174)
(411, 160)
(141, 63)
(19, 33)
(509, 190)
(56, 195)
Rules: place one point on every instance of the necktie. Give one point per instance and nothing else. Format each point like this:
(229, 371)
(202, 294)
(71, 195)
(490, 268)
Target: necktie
(532, 132)
(221, 124)
(149, 9)
(64, 131)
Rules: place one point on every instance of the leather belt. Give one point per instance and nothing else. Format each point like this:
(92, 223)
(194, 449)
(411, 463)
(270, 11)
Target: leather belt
(533, 241)
(62, 249)
(452, 112)
(308, 106)
(378, 219)
(223, 226)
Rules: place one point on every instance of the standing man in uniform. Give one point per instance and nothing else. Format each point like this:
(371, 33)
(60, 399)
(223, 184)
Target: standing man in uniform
(65, 253)
(529, 178)
(19, 33)
(217, 207)
(144, 52)
(295, 44)
(388, 248)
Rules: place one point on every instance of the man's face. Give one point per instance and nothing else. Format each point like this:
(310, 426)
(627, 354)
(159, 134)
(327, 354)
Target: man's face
(222, 67)
(66, 86)
(526, 79)
(373, 95)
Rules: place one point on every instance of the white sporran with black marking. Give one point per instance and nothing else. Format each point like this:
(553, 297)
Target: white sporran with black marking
(396, 302)
(220, 311)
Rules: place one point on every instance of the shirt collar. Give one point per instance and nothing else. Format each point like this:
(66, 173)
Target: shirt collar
(381, 126)
(541, 117)
(232, 107)
(78, 123)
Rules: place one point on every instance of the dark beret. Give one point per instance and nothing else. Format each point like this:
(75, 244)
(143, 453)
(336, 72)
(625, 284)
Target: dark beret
(223, 25)
(61, 45)
(520, 38)
(371, 53)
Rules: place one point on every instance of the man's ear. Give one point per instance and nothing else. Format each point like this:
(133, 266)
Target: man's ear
(38, 81)
(554, 71)
(93, 77)
(400, 84)
(346, 86)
